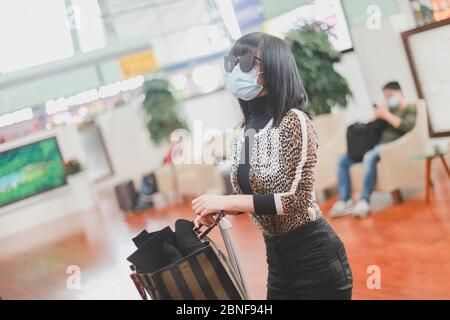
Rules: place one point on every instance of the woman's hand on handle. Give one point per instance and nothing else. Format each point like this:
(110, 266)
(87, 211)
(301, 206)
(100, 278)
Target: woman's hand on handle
(207, 205)
(203, 221)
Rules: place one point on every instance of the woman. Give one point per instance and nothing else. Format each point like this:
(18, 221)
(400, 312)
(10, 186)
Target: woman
(274, 154)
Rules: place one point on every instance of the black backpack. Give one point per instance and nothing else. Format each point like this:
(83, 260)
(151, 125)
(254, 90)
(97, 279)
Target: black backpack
(361, 137)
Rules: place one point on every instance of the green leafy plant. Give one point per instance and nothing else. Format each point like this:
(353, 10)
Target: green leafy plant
(163, 116)
(315, 57)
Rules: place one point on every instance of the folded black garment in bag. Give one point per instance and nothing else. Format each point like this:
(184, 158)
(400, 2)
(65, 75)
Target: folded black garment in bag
(161, 248)
(141, 238)
(171, 253)
(187, 240)
(155, 250)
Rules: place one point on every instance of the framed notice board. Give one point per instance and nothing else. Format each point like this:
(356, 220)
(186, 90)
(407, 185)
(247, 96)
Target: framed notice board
(428, 51)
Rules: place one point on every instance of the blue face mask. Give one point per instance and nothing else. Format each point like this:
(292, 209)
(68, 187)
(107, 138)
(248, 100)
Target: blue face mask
(243, 85)
(393, 102)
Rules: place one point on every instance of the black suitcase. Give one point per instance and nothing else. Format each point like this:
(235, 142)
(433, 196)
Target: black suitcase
(126, 195)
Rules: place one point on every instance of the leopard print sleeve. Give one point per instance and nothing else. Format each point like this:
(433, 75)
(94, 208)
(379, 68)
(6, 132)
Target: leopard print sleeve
(233, 147)
(298, 145)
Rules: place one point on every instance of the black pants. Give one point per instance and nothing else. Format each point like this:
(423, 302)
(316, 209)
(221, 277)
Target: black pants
(308, 263)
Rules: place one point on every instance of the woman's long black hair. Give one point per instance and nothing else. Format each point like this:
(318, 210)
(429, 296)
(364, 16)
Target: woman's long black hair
(281, 77)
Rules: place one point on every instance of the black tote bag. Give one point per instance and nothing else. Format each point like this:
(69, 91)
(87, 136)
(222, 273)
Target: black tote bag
(362, 137)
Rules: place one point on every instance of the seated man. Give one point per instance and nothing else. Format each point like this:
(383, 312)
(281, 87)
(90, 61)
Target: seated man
(400, 118)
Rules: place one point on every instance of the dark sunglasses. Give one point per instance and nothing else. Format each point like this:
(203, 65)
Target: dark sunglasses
(246, 62)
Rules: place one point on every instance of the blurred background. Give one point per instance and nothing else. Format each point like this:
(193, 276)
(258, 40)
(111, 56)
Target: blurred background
(92, 91)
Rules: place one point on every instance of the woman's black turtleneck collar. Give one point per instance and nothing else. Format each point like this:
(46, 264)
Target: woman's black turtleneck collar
(258, 109)
(259, 116)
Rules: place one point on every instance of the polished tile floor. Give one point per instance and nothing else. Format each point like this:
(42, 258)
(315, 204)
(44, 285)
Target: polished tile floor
(410, 243)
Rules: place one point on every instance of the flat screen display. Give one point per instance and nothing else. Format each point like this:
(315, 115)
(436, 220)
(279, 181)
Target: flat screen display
(30, 169)
(329, 12)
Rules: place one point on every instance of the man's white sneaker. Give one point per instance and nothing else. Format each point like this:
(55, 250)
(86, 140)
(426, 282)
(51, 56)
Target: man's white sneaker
(341, 208)
(361, 209)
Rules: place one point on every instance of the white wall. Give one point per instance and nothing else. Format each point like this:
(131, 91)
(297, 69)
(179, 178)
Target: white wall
(382, 56)
(128, 144)
(360, 106)
(217, 110)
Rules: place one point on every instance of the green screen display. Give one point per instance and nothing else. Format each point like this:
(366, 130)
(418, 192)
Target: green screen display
(29, 170)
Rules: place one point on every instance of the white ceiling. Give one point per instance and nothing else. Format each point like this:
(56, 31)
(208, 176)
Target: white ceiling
(176, 29)
(128, 19)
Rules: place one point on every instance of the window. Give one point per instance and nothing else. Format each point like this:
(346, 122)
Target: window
(33, 33)
(86, 17)
(39, 31)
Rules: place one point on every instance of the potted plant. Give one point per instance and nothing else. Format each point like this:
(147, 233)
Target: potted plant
(72, 167)
(315, 57)
(160, 105)
(163, 117)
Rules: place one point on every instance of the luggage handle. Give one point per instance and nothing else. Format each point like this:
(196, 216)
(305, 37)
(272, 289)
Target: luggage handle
(224, 226)
(201, 235)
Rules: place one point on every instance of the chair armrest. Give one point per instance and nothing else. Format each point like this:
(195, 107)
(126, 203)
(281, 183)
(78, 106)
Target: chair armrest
(327, 156)
(397, 166)
(403, 147)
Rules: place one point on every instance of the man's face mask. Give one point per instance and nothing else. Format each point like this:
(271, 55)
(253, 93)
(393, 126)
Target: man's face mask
(393, 102)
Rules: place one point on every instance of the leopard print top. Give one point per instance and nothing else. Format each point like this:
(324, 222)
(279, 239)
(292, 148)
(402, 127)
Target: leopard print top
(282, 163)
